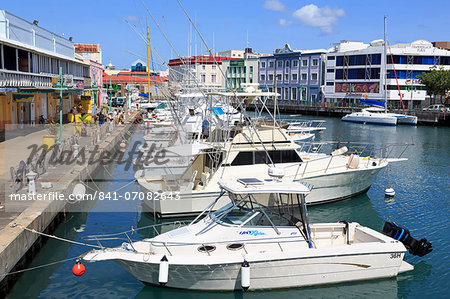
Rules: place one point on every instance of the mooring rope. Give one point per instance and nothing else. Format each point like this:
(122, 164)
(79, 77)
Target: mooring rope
(54, 237)
(40, 266)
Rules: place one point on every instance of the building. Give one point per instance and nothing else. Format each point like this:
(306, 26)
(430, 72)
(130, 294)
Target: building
(238, 71)
(126, 83)
(296, 75)
(355, 71)
(442, 45)
(202, 70)
(30, 60)
(89, 52)
(231, 54)
(92, 55)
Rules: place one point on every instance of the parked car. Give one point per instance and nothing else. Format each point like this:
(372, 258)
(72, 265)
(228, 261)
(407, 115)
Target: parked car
(120, 101)
(440, 108)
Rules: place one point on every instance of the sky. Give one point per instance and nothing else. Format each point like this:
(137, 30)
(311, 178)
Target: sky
(265, 25)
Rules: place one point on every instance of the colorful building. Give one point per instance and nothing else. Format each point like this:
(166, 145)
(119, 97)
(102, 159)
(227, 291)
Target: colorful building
(296, 75)
(30, 60)
(92, 55)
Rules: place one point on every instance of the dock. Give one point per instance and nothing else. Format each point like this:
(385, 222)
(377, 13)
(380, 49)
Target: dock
(19, 245)
(433, 118)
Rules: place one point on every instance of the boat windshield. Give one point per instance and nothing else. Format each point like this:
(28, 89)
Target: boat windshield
(250, 213)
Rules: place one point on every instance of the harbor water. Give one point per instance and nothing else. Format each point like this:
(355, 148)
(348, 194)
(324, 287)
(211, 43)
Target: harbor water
(421, 204)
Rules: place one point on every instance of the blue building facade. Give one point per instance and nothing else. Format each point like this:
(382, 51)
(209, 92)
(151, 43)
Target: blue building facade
(296, 75)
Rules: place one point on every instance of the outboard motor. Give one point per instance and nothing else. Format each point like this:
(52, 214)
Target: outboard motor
(416, 247)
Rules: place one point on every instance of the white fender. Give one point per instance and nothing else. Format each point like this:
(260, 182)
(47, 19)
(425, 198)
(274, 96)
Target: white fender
(163, 271)
(245, 275)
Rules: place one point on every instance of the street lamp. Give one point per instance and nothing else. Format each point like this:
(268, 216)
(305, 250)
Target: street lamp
(94, 90)
(60, 86)
(109, 90)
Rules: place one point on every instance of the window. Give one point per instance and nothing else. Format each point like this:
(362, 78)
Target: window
(270, 89)
(278, 77)
(314, 76)
(315, 62)
(304, 62)
(203, 78)
(304, 77)
(279, 90)
(251, 69)
(261, 157)
(304, 94)
(203, 67)
(263, 77)
(294, 93)
(280, 64)
(10, 58)
(286, 93)
(295, 63)
(286, 77)
(270, 77)
(271, 64)
(331, 57)
(330, 83)
(339, 60)
(23, 60)
(287, 63)
(213, 78)
(339, 75)
(213, 67)
(263, 64)
(313, 97)
(294, 77)
(330, 70)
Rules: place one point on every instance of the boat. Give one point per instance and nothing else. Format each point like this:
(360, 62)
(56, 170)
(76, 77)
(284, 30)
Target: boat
(336, 176)
(378, 114)
(262, 239)
(372, 115)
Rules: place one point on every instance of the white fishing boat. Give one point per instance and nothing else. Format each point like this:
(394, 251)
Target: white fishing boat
(263, 240)
(335, 176)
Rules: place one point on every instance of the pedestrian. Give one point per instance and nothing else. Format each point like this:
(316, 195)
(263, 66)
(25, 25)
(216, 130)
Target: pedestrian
(101, 118)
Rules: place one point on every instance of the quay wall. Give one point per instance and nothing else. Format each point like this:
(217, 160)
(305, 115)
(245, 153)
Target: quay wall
(18, 246)
(424, 117)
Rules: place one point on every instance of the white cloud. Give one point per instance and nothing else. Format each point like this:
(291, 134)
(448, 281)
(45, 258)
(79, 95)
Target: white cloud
(131, 19)
(283, 22)
(324, 18)
(275, 5)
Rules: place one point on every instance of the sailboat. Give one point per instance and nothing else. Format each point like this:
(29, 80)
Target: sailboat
(378, 114)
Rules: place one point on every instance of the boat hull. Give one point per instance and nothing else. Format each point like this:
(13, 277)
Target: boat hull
(386, 121)
(271, 274)
(327, 188)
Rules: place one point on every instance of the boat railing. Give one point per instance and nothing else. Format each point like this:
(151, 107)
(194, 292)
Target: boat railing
(367, 150)
(380, 151)
(146, 231)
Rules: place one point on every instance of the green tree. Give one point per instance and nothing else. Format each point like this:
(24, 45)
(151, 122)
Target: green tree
(437, 82)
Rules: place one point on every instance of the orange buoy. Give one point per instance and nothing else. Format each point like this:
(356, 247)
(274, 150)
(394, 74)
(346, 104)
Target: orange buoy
(78, 269)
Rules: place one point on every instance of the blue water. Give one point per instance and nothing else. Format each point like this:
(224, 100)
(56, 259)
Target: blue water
(421, 204)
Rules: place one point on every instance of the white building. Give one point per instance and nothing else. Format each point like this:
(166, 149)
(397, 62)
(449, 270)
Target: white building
(231, 54)
(197, 70)
(356, 71)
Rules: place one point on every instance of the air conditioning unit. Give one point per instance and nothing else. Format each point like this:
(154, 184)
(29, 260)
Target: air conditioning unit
(68, 80)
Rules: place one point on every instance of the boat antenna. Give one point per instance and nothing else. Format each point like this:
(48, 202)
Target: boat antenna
(385, 67)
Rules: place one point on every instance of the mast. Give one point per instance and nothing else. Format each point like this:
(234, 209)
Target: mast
(385, 67)
(148, 61)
